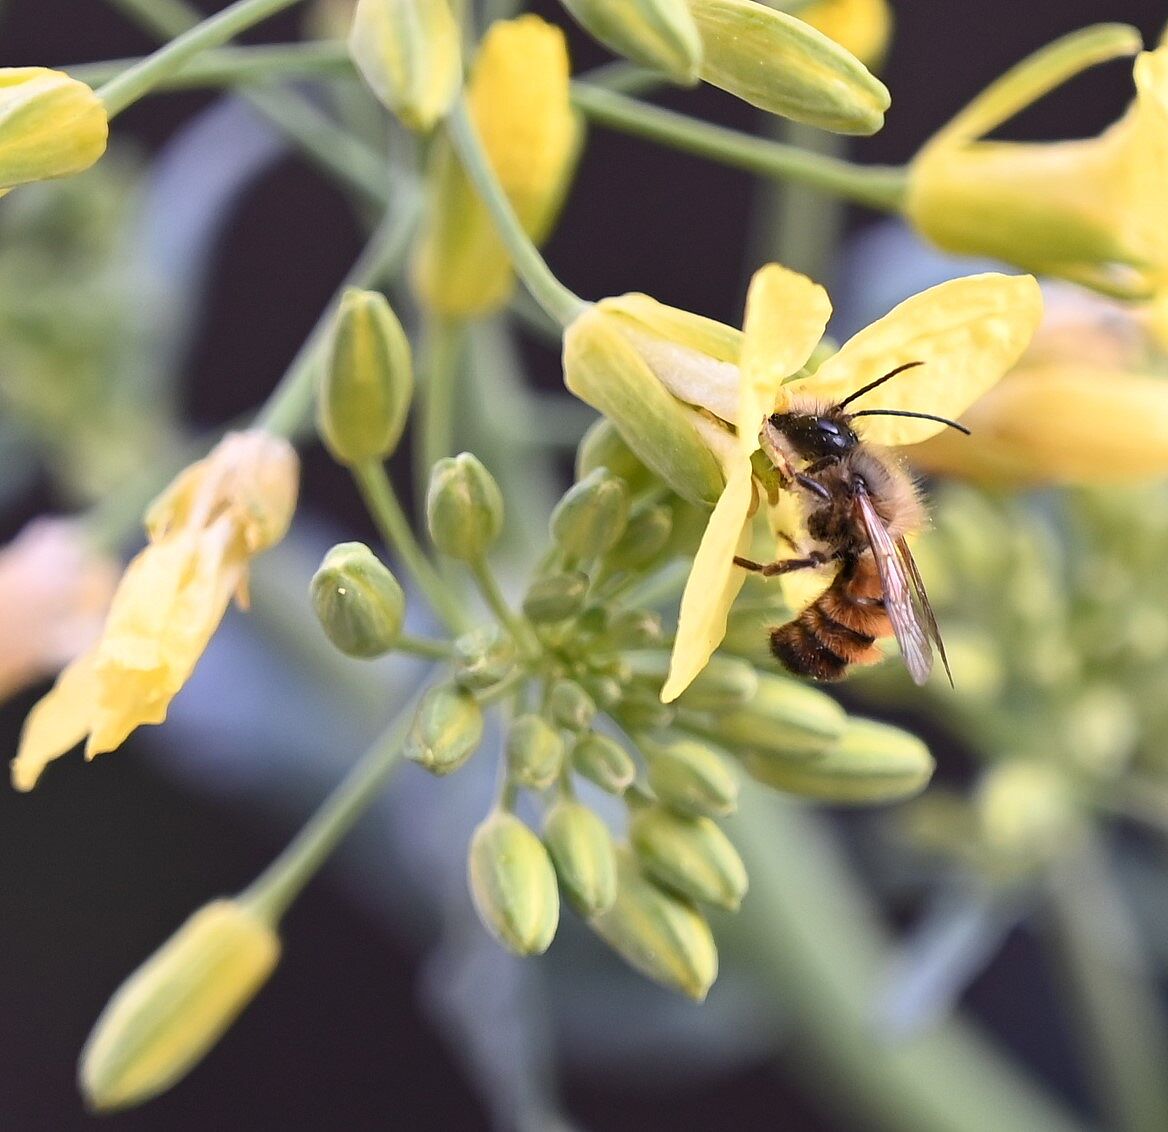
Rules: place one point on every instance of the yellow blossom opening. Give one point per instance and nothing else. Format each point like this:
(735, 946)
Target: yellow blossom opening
(203, 531)
(967, 332)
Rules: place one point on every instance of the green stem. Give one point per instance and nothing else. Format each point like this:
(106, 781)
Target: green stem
(384, 506)
(423, 647)
(876, 186)
(443, 342)
(140, 79)
(273, 891)
(516, 625)
(233, 66)
(813, 936)
(560, 303)
(288, 409)
(1112, 991)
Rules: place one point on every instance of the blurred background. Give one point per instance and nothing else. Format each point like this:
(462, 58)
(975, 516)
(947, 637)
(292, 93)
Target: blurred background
(191, 265)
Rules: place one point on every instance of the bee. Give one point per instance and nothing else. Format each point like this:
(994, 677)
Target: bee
(862, 506)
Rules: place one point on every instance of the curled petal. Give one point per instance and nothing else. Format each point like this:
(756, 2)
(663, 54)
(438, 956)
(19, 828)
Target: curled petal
(966, 333)
(713, 584)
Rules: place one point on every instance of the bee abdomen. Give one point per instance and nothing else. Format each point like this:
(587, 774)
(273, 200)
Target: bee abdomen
(837, 630)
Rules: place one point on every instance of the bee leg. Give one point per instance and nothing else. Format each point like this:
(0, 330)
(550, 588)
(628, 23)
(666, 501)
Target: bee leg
(785, 566)
(813, 486)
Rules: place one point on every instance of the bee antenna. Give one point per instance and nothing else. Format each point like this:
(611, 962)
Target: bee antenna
(906, 413)
(879, 381)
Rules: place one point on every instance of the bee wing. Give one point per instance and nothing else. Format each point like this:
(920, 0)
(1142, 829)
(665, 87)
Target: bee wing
(898, 593)
(921, 601)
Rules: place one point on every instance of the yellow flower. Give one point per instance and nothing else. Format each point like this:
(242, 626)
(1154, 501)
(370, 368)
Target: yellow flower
(862, 27)
(203, 531)
(966, 333)
(1065, 413)
(518, 98)
(54, 592)
(50, 126)
(1091, 211)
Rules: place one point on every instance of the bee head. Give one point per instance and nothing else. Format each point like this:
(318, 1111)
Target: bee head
(814, 435)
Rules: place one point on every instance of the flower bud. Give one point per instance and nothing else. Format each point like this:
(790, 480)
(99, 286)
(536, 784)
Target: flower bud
(604, 762)
(570, 705)
(591, 516)
(658, 34)
(584, 856)
(50, 126)
(662, 935)
(556, 597)
(786, 721)
(724, 682)
(484, 656)
(464, 507)
(603, 447)
(635, 629)
(783, 65)
(689, 855)
(518, 98)
(165, 1017)
(359, 603)
(1026, 809)
(447, 729)
(691, 778)
(535, 752)
(872, 762)
(408, 53)
(645, 714)
(367, 380)
(646, 536)
(513, 884)
(862, 27)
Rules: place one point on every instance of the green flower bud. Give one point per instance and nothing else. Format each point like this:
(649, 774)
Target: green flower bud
(783, 65)
(166, 1016)
(513, 884)
(447, 729)
(571, 706)
(691, 778)
(635, 629)
(51, 125)
(872, 762)
(535, 752)
(603, 761)
(724, 682)
(646, 536)
(584, 856)
(658, 34)
(484, 656)
(464, 507)
(591, 516)
(556, 597)
(359, 603)
(606, 691)
(690, 855)
(645, 713)
(408, 53)
(662, 935)
(786, 720)
(604, 447)
(1026, 809)
(367, 380)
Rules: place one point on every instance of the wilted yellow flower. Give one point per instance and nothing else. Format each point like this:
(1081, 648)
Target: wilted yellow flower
(203, 531)
(1091, 211)
(518, 99)
(863, 27)
(50, 125)
(54, 592)
(966, 333)
(1065, 412)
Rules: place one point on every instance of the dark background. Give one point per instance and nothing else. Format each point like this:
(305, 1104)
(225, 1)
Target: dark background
(104, 862)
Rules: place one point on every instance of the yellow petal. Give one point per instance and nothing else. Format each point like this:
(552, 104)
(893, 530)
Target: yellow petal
(862, 27)
(786, 315)
(966, 333)
(58, 722)
(1144, 165)
(713, 584)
